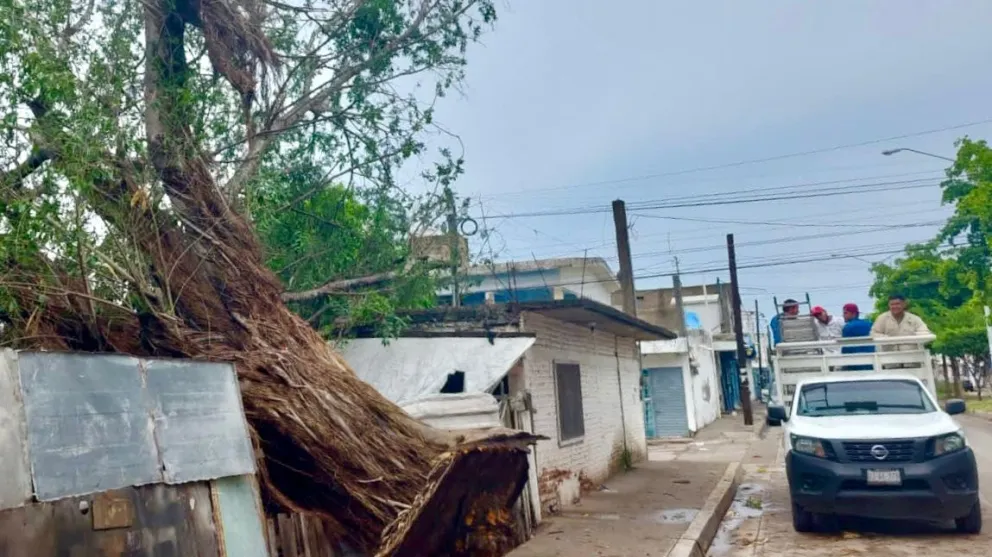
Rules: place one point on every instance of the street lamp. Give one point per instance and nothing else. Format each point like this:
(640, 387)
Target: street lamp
(891, 152)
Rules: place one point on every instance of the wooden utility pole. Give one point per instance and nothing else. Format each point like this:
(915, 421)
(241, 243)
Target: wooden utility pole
(677, 288)
(454, 257)
(743, 381)
(623, 251)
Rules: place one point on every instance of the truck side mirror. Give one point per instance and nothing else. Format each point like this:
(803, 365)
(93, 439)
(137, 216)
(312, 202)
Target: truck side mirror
(777, 415)
(952, 406)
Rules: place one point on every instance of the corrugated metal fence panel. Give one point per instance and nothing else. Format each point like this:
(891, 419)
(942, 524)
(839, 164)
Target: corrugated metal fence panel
(668, 398)
(15, 477)
(199, 423)
(99, 422)
(88, 424)
(240, 516)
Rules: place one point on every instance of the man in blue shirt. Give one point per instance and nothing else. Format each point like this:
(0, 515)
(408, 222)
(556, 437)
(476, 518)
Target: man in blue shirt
(854, 326)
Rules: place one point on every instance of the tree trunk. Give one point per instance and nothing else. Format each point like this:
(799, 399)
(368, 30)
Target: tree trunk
(957, 378)
(329, 442)
(947, 378)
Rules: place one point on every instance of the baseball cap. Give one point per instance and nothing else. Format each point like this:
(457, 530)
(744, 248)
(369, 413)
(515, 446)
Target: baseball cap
(852, 308)
(818, 310)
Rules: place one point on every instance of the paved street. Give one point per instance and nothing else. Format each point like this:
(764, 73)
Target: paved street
(759, 523)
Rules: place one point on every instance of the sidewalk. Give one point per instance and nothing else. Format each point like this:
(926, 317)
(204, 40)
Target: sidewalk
(659, 505)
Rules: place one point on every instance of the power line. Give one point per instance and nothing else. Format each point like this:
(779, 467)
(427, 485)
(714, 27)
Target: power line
(662, 204)
(746, 162)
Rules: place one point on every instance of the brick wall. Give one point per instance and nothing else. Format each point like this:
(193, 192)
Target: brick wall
(562, 470)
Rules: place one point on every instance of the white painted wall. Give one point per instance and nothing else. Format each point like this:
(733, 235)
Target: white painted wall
(598, 454)
(701, 390)
(709, 313)
(594, 284)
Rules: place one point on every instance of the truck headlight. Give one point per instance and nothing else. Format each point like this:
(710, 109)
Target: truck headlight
(810, 446)
(952, 442)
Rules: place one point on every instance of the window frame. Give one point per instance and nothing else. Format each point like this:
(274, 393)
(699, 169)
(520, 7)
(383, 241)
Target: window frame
(578, 439)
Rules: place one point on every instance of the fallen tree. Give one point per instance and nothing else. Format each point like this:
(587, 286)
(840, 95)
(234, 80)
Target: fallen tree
(125, 196)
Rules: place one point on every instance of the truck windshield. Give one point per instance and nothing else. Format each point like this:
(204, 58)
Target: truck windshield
(845, 398)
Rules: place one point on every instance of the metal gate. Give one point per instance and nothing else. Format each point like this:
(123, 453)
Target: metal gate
(668, 400)
(729, 382)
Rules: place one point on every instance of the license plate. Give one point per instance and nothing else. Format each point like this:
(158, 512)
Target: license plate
(884, 477)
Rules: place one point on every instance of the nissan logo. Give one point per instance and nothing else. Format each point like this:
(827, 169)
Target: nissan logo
(879, 452)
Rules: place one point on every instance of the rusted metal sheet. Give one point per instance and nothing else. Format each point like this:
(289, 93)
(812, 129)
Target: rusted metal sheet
(98, 422)
(111, 510)
(15, 477)
(167, 521)
(199, 422)
(88, 426)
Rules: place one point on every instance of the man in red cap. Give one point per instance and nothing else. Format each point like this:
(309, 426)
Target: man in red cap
(828, 326)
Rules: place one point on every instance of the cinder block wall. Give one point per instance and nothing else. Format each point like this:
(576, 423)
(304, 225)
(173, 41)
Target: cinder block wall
(563, 469)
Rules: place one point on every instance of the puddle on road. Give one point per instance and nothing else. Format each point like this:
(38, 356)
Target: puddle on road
(749, 502)
(675, 516)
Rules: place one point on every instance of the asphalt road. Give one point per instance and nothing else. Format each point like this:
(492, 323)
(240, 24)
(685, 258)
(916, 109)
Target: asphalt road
(759, 523)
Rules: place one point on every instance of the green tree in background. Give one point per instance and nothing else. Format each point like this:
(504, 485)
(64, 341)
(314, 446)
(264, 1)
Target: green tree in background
(947, 280)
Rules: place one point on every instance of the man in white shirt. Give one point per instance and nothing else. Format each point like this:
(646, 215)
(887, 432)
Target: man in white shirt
(897, 322)
(828, 327)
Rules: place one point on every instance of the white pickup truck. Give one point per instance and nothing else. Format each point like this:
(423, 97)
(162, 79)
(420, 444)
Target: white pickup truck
(872, 443)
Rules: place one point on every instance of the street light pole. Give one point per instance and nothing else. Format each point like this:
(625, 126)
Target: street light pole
(891, 152)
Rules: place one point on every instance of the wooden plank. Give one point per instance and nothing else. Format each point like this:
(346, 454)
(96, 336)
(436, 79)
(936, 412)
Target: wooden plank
(167, 520)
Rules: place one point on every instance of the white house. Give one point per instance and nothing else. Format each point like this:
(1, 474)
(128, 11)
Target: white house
(575, 379)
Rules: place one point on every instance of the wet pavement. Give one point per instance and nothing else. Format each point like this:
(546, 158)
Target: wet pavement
(642, 512)
(759, 523)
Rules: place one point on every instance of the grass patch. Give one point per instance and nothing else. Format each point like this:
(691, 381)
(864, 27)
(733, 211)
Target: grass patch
(753, 503)
(975, 405)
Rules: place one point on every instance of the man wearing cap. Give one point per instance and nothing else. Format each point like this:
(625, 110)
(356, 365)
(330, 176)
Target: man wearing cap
(855, 326)
(828, 327)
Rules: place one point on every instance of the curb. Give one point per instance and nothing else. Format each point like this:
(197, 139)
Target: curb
(699, 535)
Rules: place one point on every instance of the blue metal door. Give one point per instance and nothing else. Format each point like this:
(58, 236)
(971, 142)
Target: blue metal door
(668, 402)
(729, 381)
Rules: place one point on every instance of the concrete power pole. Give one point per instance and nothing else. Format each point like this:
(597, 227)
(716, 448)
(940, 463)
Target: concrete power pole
(677, 287)
(623, 251)
(739, 333)
(454, 257)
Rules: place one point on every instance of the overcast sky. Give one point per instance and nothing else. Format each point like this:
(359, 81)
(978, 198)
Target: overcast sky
(573, 103)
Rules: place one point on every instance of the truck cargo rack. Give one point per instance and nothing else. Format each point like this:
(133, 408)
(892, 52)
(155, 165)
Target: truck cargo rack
(799, 361)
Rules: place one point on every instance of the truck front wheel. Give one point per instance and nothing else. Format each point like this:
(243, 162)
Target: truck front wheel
(972, 522)
(802, 520)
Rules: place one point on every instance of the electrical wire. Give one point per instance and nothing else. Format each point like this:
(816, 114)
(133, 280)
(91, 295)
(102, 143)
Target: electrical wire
(746, 162)
(741, 199)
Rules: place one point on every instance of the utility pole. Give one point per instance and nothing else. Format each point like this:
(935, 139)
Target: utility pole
(677, 287)
(453, 245)
(623, 251)
(757, 345)
(739, 333)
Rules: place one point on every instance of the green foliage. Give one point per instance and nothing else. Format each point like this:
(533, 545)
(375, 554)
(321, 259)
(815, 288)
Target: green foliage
(337, 233)
(311, 156)
(947, 280)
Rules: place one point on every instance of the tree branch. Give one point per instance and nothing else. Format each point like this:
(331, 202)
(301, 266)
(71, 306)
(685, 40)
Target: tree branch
(13, 179)
(316, 98)
(339, 285)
